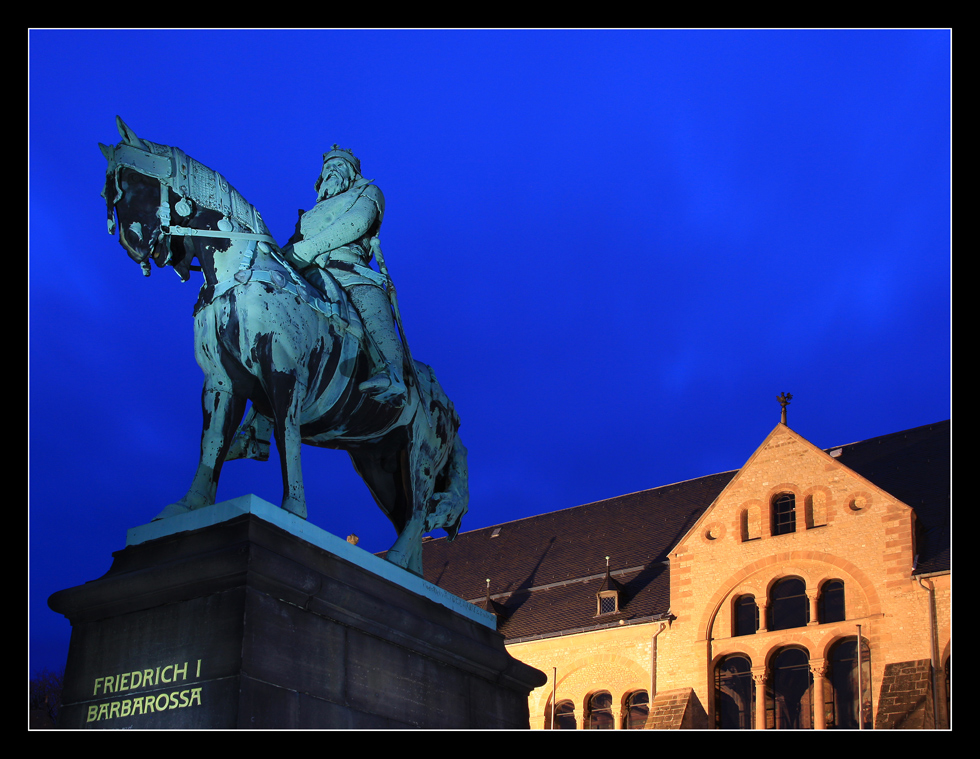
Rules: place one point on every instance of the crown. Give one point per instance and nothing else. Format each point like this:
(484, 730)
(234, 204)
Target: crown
(339, 152)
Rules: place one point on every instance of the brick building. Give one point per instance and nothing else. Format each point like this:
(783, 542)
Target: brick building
(734, 600)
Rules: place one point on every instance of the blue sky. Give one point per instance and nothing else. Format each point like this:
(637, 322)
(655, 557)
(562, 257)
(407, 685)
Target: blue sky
(616, 248)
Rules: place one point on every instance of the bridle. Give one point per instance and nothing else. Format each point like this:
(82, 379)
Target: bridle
(190, 180)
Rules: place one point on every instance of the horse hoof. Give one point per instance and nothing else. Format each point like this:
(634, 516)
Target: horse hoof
(410, 562)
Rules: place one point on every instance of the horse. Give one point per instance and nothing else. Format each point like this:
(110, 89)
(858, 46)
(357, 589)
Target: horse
(265, 335)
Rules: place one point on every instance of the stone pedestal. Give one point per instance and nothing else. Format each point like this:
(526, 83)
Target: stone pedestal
(244, 616)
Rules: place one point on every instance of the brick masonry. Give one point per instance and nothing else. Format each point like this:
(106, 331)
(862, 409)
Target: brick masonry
(847, 529)
(677, 710)
(905, 702)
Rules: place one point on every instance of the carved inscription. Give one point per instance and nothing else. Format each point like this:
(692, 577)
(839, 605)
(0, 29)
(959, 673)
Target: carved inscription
(164, 696)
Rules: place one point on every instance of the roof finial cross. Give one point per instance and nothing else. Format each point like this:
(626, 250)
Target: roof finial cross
(784, 400)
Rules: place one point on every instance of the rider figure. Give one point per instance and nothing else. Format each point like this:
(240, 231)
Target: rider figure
(336, 236)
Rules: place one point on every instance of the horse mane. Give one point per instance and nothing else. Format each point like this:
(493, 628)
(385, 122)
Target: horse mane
(189, 178)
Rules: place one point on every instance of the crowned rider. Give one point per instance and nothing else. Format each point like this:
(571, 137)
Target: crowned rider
(336, 236)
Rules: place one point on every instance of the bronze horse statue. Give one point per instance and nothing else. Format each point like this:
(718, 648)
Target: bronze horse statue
(264, 334)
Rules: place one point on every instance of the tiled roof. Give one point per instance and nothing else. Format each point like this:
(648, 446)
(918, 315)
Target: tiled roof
(545, 570)
(562, 557)
(914, 466)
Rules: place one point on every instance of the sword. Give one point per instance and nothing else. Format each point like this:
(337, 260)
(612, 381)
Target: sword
(393, 299)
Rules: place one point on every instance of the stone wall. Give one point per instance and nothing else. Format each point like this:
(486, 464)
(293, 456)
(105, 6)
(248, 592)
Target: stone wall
(906, 698)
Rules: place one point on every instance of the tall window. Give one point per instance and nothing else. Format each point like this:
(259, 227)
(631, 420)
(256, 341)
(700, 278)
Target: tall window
(734, 691)
(844, 685)
(789, 691)
(635, 710)
(788, 604)
(599, 714)
(830, 605)
(746, 615)
(783, 514)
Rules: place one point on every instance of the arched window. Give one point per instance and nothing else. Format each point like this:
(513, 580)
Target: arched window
(565, 716)
(745, 616)
(783, 514)
(830, 605)
(789, 691)
(788, 604)
(635, 710)
(734, 693)
(843, 678)
(599, 714)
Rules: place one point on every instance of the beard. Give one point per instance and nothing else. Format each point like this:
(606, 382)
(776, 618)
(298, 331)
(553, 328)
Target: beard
(333, 184)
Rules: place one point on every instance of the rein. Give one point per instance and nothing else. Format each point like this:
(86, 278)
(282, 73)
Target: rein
(188, 232)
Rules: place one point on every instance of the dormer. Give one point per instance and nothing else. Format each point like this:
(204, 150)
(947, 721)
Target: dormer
(609, 595)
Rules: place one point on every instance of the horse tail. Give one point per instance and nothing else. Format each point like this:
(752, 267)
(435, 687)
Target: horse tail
(451, 501)
(450, 498)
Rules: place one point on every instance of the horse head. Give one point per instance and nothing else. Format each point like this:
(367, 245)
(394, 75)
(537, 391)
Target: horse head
(137, 191)
(163, 197)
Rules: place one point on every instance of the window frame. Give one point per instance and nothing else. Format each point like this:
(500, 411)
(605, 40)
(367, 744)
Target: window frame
(598, 718)
(785, 605)
(825, 588)
(629, 722)
(841, 688)
(606, 595)
(779, 681)
(783, 510)
(746, 716)
(564, 711)
(740, 600)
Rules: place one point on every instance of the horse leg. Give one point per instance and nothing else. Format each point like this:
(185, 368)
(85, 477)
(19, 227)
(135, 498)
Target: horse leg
(407, 550)
(285, 396)
(223, 411)
(418, 472)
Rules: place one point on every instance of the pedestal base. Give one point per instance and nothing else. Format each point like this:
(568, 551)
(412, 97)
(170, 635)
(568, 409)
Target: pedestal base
(229, 619)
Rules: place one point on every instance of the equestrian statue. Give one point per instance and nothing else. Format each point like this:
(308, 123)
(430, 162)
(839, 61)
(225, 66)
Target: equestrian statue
(309, 333)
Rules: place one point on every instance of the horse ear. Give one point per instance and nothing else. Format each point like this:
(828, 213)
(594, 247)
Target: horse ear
(106, 151)
(128, 135)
